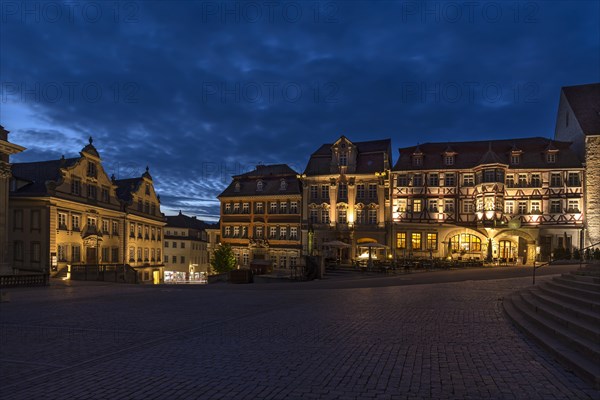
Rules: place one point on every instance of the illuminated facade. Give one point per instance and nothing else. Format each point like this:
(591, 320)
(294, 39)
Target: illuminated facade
(346, 195)
(185, 248)
(512, 199)
(68, 211)
(578, 121)
(261, 216)
(6, 149)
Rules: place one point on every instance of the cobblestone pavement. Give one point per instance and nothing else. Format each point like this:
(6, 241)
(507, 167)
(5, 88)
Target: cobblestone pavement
(441, 341)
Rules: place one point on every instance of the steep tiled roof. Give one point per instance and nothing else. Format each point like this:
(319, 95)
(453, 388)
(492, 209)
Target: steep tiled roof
(40, 172)
(126, 187)
(184, 221)
(268, 170)
(370, 158)
(270, 175)
(585, 103)
(472, 154)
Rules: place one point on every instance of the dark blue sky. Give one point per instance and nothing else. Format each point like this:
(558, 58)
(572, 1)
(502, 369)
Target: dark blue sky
(200, 91)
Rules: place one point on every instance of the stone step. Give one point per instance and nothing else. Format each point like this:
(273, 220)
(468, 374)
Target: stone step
(584, 346)
(530, 325)
(576, 300)
(586, 276)
(575, 281)
(577, 326)
(578, 312)
(574, 291)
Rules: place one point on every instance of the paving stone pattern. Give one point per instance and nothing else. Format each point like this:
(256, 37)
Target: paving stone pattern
(439, 341)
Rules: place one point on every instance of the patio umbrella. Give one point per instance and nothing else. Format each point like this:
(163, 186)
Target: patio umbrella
(339, 245)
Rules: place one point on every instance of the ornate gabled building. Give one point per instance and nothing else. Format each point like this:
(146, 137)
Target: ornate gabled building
(261, 216)
(68, 211)
(501, 199)
(144, 221)
(6, 149)
(578, 120)
(346, 195)
(186, 254)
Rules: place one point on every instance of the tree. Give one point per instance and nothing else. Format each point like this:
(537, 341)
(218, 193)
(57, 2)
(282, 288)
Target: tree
(223, 259)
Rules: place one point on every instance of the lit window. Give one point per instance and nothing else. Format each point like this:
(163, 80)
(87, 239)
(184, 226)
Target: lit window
(401, 240)
(401, 205)
(415, 240)
(417, 205)
(431, 241)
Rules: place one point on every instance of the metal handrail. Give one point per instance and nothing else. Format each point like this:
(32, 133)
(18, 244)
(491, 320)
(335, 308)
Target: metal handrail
(580, 259)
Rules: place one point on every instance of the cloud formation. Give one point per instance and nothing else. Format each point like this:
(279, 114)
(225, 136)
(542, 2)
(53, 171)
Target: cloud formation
(200, 91)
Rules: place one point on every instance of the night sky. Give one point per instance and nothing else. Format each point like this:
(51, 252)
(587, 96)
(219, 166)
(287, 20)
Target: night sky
(200, 91)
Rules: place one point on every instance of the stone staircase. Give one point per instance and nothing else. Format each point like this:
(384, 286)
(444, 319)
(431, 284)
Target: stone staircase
(61, 273)
(563, 316)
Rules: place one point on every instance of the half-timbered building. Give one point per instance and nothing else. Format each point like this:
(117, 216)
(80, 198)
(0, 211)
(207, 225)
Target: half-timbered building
(515, 199)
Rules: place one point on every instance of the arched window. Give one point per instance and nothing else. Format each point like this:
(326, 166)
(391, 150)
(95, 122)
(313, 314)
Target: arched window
(282, 184)
(237, 187)
(259, 186)
(465, 242)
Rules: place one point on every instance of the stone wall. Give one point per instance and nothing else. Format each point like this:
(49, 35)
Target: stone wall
(592, 189)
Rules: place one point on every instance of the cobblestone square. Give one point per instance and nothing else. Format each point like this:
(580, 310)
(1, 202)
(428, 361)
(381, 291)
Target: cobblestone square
(380, 339)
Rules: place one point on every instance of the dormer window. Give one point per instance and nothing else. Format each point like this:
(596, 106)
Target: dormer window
(237, 187)
(417, 160)
(343, 158)
(515, 158)
(283, 185)
(449, 159)
(551, 157)
(259, 186)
